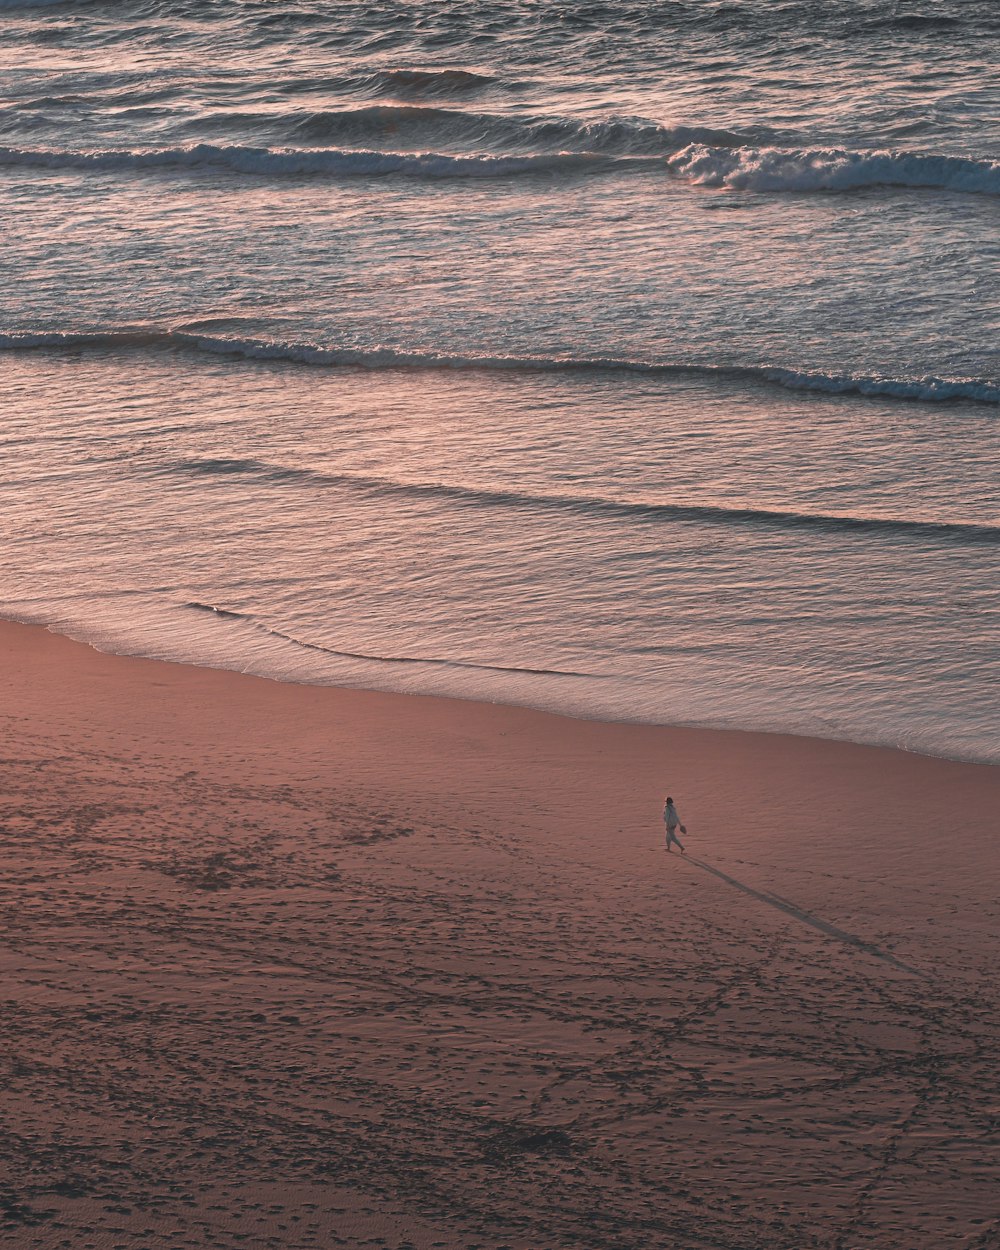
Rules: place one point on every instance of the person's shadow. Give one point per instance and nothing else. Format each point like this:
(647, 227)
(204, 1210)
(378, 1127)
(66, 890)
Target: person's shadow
(790, 909)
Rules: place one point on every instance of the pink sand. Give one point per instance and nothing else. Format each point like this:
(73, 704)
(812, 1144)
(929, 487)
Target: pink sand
(294, 967)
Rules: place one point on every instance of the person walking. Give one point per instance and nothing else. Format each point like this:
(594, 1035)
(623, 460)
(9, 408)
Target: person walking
(672, 822)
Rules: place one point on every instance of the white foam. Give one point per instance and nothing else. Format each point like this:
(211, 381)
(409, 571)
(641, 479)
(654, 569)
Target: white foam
(929, 389)
(831, 169)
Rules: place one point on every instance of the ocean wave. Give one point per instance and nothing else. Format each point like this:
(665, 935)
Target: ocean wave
(437, 661)
(831, 169)
(32, 341)
(928, 389)
(297, 162)
(427, 82)
(614, 135)
(714, 514)
(612, 145)
(189, 336)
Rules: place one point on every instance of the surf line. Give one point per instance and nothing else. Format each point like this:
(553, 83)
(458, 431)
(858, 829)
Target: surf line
(797, 913)
(387, 659)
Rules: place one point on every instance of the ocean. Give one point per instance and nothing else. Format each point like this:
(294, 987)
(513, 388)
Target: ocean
(632, 361)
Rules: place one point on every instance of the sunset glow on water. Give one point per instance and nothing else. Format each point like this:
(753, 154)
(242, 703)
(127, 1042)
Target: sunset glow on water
(486, 486)
(423, 348)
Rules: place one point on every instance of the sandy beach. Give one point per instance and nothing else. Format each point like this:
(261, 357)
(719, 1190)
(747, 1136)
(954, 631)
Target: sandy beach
(300, 967)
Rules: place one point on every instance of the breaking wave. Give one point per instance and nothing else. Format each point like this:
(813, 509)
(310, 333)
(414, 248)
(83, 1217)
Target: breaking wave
(926, 389)
(699, 155)
(831, 169)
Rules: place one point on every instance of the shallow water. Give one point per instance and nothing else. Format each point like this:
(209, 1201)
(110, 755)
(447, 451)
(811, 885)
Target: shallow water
(633, 363)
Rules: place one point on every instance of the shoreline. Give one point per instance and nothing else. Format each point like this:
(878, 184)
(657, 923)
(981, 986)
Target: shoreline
(309, 966)
(679, 726)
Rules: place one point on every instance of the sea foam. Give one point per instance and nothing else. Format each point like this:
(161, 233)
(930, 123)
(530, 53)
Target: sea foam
(831, 169)
(609, 146)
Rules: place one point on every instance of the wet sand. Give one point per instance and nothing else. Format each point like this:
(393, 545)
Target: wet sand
(296, 967)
